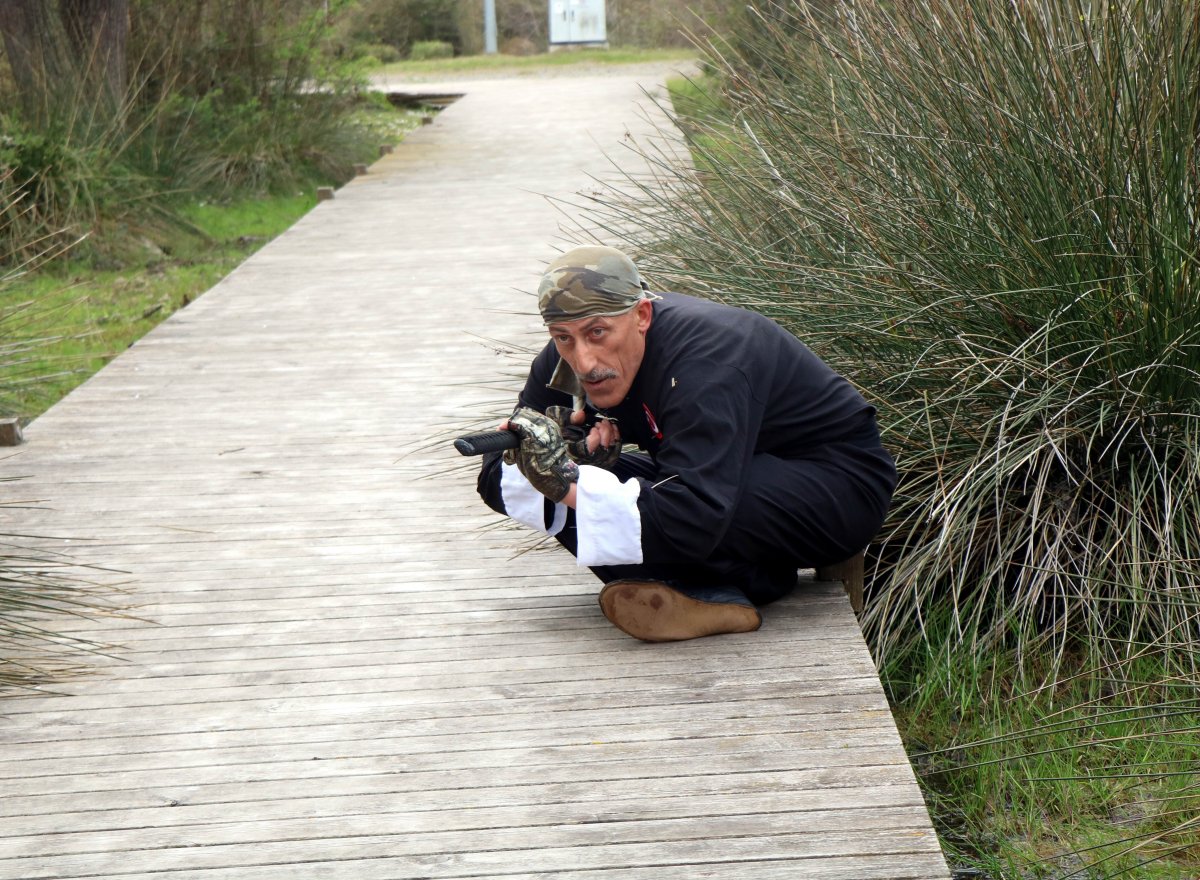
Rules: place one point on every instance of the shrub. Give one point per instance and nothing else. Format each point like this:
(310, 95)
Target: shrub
(522, 22)
(521, 25)
(400, 23)
(381, 52)
(218, 95)
(658, 24)
(427, 49)
(55, 184)
(984, 213)
(520, 46)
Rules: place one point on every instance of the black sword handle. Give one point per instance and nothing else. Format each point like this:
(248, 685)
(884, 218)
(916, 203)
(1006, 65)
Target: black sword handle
(487, 441)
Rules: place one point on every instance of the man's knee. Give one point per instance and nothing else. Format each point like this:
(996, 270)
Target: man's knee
(809, 512)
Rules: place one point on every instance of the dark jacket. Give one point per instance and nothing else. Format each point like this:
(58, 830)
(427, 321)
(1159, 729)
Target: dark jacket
(717, 386)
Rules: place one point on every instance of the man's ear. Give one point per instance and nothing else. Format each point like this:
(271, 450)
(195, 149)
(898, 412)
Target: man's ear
(645, 314)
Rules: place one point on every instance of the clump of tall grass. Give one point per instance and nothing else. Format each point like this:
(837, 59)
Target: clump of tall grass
(37, 588)
(219, 99)
(37, 584)
(242, 97)
(985, 214)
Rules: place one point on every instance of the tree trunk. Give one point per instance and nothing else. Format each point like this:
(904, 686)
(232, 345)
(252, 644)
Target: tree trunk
(98, 31)
(33, 45)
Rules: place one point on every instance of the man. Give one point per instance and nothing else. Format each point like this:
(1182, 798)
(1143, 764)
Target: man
(759, 459)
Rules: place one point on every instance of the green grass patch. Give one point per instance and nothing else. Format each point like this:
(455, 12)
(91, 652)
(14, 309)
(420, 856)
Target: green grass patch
(701, 117)
(84, 316)
(531, 64)
(68, 319)
(229, 221)
(1089, 775)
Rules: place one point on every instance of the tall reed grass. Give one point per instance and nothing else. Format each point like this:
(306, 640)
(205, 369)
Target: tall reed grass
(221, 98)
(37, 588)
(984, 213)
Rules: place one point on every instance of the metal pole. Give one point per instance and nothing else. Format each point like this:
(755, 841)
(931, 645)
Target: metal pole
(489, 26)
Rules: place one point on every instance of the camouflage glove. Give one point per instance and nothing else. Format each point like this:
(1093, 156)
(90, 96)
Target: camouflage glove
(576, 439)
(542, 456)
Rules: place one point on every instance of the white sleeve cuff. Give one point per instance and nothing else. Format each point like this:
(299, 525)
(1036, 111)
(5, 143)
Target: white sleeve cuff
(607, 519)
(526, 504)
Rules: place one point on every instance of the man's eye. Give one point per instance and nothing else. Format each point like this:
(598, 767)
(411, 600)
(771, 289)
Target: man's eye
(597, 332)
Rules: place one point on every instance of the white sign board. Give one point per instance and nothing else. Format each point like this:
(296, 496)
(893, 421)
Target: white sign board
(577, 21)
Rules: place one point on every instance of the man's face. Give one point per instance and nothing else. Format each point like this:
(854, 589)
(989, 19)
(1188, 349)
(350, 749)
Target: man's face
(605, 353)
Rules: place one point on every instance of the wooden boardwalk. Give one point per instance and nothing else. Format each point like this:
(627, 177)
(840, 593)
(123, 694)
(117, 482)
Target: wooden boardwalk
(339, 669)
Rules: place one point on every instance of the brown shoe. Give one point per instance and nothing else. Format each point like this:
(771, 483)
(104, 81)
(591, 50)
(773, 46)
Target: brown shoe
(654, 611)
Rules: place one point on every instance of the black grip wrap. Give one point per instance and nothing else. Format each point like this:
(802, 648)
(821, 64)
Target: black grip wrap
(487, 441)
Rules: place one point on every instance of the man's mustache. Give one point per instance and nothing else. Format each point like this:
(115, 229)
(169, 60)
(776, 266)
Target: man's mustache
(599, 375)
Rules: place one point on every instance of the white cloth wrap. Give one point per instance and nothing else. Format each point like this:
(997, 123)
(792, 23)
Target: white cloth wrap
(526, 504)
(607, 519)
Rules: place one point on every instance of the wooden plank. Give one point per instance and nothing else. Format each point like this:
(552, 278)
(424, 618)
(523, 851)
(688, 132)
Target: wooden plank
(850, 573)
(493, 851)
(240, 796)
(275, 819)
(594, 762)
(453, 689)
(468, 749)
(476, 702)
(608, 722)
(174, 688)
(909, 866)
(454, 831)
(482, 860)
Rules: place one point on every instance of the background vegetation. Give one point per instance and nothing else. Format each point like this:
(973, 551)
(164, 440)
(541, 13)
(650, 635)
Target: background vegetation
(388, 29)
(984, 213)
(102, 132)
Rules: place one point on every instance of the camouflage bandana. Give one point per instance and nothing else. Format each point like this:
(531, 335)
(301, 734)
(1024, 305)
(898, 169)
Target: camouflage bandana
(590, 282)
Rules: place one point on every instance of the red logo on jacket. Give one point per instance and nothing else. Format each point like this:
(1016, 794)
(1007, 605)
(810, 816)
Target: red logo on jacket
(650, 421)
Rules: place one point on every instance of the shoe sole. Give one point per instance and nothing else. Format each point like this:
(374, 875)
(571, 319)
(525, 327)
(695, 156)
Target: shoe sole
(653, 612)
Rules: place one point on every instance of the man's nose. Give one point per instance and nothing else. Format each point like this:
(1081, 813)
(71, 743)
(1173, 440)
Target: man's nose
(585, 360)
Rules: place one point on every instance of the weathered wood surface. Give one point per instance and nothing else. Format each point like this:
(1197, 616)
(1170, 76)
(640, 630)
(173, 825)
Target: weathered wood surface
(337, 669)
(849, 573)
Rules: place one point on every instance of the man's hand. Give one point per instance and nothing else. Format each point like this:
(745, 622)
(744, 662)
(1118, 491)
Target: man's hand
(542, 456)
(601, 446)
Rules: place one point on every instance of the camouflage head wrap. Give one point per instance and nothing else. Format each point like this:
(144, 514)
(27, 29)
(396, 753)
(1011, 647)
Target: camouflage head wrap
(590, 282)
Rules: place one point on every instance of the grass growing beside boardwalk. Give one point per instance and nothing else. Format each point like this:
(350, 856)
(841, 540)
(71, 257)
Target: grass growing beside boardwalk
(531, 65)
(87, 315)
(87, 306)
(1091, 774)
